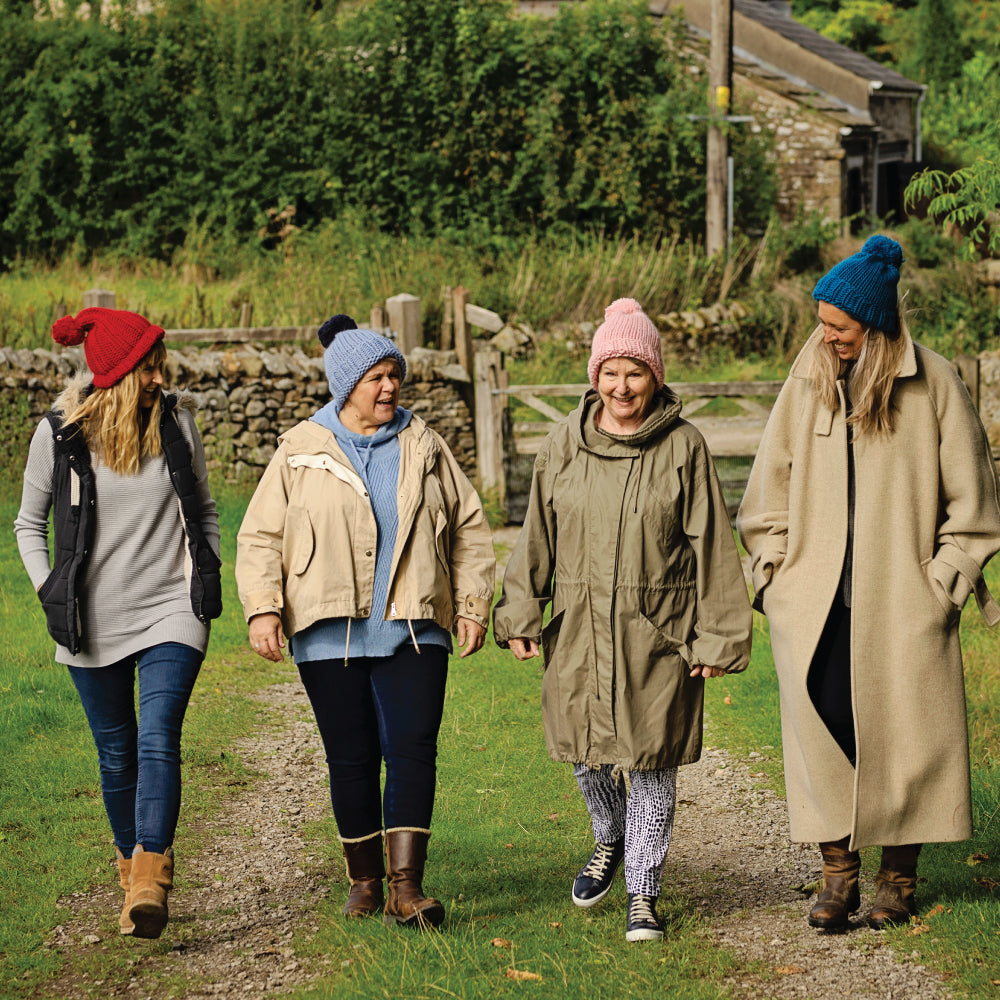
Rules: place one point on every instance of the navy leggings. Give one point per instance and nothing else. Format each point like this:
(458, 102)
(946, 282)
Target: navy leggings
(380, 708)
(829, 681)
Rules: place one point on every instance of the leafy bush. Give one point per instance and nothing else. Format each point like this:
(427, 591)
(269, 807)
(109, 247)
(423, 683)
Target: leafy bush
(163, 133)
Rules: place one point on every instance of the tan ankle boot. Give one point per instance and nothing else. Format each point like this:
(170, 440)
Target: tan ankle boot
(152, 878)
(406, 854)
(366, 870)
(840, 895)
(897, 883)
(125, 925)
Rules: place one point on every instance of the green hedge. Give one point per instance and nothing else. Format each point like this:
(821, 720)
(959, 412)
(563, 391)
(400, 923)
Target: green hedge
(189, 123)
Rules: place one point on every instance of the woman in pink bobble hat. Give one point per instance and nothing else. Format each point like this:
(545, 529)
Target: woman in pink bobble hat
(118, 466)
(627, 537)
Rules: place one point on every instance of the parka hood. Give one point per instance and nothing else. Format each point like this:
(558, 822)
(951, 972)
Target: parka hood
(81, 384)
(663, 415)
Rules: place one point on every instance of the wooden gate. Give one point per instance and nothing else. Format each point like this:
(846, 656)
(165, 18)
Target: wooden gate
(506, 447)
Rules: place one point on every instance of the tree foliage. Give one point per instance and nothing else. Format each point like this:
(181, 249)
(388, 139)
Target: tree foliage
(189, 123)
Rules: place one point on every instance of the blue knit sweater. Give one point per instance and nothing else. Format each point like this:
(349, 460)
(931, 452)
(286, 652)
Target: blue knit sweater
(375, 458)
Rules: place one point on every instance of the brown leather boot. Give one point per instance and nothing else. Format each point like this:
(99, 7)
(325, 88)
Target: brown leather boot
(897, 883)
(406, 855)
(840, 895)
(366, 869)
(151, 879)
(125, 925)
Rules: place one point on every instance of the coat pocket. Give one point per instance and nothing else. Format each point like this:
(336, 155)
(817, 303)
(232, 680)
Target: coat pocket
(299, 541)
(550, 637)
(951, 610)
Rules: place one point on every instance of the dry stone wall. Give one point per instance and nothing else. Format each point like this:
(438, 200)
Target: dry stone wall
(247, 396)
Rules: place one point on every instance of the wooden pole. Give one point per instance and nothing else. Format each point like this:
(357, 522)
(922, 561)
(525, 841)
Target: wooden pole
(720, 80)
(463, 335)
(405, 321)
(447, 323)
(99, 297)
(489, 424)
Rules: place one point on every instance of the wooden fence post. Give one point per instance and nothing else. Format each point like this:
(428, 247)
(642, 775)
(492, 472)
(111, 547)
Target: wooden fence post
(376, 319)
(447, 323)
(99, 297)
(968, 372)
(463, 336)
(405, 321)
(489, 424)
(246, 316)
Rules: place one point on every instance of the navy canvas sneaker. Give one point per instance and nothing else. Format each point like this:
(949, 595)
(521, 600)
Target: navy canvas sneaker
(641, 921)
(594, 881)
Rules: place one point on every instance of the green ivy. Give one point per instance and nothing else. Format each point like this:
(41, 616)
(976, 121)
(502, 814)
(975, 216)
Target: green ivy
(157, 133)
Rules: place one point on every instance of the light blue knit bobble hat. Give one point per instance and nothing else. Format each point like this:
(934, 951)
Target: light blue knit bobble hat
(350, 352)
(865, 285)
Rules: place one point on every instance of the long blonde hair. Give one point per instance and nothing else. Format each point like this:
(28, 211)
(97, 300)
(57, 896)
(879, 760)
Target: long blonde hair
(117, 429)
(870, 377)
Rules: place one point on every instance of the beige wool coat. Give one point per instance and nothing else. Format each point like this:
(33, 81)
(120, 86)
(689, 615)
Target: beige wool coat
(927, 519)
(629, 540)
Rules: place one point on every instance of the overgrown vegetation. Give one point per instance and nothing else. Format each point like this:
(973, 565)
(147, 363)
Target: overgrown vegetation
(158, 134)
(546, 280)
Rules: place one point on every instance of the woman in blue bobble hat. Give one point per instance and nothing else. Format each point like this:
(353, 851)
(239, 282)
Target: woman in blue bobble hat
(366, 545)
(870, 512)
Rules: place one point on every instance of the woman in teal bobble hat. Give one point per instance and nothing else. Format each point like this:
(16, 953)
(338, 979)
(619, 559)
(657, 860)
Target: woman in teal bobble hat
(870, 512)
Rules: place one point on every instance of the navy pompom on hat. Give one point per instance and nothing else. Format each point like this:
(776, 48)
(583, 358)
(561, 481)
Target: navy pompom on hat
(865, 285)
(349, 352)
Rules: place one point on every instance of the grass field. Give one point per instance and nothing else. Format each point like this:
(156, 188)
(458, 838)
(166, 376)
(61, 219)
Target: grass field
(510, 828)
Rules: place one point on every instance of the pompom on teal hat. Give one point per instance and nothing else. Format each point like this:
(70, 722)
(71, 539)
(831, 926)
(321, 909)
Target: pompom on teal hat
(865, 285)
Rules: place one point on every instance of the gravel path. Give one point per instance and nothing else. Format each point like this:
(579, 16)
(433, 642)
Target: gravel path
(240, 901)
(243, 897)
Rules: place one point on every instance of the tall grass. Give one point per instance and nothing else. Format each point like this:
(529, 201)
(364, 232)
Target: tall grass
(562, 276)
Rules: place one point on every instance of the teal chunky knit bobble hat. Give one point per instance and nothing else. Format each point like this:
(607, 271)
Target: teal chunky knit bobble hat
(865, 284)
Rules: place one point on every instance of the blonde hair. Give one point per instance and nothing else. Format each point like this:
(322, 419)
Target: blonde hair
(870, 377)
(117, 429)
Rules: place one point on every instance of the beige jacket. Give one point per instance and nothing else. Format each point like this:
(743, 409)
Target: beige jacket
(306, 548)
(630, 542)
(927, 519)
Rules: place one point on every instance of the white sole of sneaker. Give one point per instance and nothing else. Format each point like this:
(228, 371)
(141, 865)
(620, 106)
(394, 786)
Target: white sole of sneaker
(643, 934)
(592, 901)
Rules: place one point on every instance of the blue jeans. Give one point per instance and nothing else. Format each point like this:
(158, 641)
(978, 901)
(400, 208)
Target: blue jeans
(375, 708)
(140, 761)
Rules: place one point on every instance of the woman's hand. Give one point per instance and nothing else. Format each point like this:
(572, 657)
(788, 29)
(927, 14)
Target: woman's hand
(523, 649)
(470, 634)
(702, 670)
(266, 637)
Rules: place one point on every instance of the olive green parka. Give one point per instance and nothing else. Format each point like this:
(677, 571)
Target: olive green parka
(629, 539)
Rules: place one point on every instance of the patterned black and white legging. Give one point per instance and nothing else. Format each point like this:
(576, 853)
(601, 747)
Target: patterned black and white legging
(644, 816)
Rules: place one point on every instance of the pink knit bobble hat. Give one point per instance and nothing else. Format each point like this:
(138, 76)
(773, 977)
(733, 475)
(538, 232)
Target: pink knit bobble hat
(627, 332)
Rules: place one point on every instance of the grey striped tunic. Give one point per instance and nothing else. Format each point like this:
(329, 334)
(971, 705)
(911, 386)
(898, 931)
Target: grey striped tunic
(135, 591)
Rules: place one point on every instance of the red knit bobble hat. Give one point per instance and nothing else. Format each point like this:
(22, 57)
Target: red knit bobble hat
(627, 332)
(115, 340)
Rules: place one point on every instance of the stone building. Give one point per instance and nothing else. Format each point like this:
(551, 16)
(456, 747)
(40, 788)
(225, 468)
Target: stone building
(847, 128)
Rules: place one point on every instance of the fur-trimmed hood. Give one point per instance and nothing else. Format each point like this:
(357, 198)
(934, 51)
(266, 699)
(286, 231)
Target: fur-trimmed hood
(81, 384)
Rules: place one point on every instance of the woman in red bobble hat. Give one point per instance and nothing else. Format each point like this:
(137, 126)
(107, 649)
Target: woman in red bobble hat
(628, 537)
(134, 580)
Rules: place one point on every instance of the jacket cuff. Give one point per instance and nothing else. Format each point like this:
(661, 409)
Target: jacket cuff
(956, 572)
(262, 602)
(472, 606)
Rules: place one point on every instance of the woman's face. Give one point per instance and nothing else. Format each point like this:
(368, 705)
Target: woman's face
(626, 387)
(373, 400)
(842, 332)
(150, 382)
